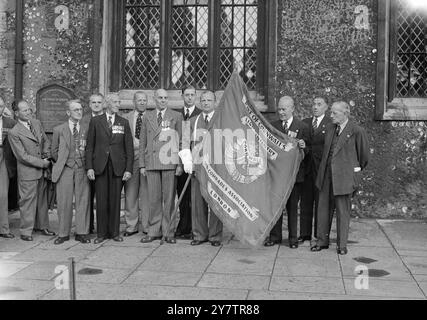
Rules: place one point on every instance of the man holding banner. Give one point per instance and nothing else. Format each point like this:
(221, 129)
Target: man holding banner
(247, 168)
(202, 230)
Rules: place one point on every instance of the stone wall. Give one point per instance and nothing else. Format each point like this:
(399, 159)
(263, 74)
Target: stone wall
(7, 52)
(328, 48)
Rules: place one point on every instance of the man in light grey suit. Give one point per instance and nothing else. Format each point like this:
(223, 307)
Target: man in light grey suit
(159, 161)
(69, 174)
(136, 189)
(32, 151)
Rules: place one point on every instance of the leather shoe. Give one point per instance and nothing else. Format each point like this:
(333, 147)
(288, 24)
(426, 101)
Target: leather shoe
(61, 240)
(118, 239)
(342, 251)
(302, 239)
(46, 232)
(215, 243)
(82, 239)
(99, 240)
(271, 243)
(197, 242)
(129, 234)
(26, 238)
(293, 245)
(7, 236)
(184, 236)
(317, 248)
(170, 240)
(149, 239)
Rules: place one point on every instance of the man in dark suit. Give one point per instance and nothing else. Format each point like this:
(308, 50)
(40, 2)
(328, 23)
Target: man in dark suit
(309, 199)
(96, 105)
(190, 111)
(31, 148)
(159, 161)
(7, 165)
(298, 130)
(109, 161)
(345, 155)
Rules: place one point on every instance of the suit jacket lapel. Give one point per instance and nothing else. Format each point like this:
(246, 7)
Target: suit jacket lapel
(26, 132)
(321, 126)
(104, 124)
(67, 134)
(344, 136)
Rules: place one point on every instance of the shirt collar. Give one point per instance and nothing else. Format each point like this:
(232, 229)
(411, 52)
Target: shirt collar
(161, 111)
(210, 115)
(289, 121)
(319, 119)
(190, 109)
(25, 123)
(343, 125)
(71, 124)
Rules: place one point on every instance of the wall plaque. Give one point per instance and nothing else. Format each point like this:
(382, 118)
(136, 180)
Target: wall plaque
(51, 109)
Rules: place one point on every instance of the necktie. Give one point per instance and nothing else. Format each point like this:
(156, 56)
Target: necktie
(338, 130)
(315, 123)
(207, 119)
(32, 130)
(138, 125)
(110, 122)
(285, 126)
(159, 119)
(187, 115)
(76, 136)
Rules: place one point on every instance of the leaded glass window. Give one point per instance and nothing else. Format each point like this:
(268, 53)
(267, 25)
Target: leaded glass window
(411, 55)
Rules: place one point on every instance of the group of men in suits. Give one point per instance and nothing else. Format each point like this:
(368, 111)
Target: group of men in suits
(336, 151)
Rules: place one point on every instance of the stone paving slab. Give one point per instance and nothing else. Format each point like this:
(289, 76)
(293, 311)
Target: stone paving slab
(117, 258)
(408, 235)
(367, 233)
(244, 261)
(417, 265)
(51, 255)
(276, 295)
(23, 289)
(176, 264)
(140, 292)
(89, 274)
(380, 288)
(234, 281)
(186, 250)
(412, 253)
(307, 268)
(7, 255)
(423, 286)
(9, 268)
(160, 278)
(308, 285)
(16, 245)
(37, 271)
(50, 245)
(303, 252)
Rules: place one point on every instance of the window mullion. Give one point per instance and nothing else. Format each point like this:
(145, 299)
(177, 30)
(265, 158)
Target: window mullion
(165, 44)
(214, 43)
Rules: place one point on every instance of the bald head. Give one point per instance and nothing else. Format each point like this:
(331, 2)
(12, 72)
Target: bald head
(161, 98)
(340, 112)
(286, 108)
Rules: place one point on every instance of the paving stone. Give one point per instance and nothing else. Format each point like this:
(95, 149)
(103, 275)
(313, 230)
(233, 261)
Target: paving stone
(140, 292)
(423, 286)
(186, 250)
(417, 265)
(22, 289)
(244, 261)
(236, 244)
(176, 264)
(7, 255)
(9, 268)
(383, 263)
(308, 285)
(16, 245)
(134, 241)
(303, 252)
(233, 281)
(382, 288)
(406, 235)
(307, 268)
(420, 277)
(277, 295)
(51, 255)
(37, 271)
(89, 274)
(50, 245)
(117, 258)
(412, 253)
(367, 233)
(157, 278)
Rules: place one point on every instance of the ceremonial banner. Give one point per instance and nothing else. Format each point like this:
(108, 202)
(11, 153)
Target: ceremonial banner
(247, 168)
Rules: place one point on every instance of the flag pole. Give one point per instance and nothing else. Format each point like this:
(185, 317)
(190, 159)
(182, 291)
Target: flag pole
(175, 212)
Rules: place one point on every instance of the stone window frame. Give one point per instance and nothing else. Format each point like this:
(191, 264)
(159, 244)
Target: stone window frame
(389, 107)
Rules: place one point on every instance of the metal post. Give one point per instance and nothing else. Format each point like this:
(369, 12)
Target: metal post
(72, 272)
